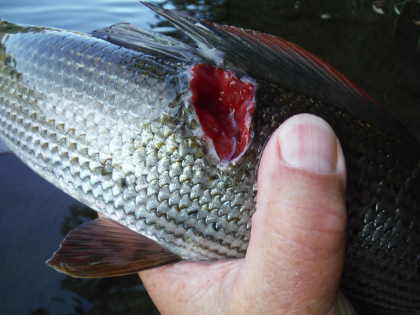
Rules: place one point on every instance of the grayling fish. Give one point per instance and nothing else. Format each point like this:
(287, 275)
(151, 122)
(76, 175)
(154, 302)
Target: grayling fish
(163, 138)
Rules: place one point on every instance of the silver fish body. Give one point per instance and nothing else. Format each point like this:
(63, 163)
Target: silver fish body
(110, 127)
(111, 123)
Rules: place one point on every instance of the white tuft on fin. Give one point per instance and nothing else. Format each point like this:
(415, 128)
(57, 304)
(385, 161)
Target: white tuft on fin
(211, 53)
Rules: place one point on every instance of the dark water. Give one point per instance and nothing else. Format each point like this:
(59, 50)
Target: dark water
(376, 43)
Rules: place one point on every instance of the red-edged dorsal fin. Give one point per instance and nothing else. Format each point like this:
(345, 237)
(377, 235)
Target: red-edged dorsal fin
(104, 248)
(291, 50)
(267, 58)
(271, 61)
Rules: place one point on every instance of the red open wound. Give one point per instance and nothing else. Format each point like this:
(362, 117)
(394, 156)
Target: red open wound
(224, 105)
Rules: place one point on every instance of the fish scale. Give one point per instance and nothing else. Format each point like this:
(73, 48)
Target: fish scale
(379, 185)
(111, 121)
(79, 140)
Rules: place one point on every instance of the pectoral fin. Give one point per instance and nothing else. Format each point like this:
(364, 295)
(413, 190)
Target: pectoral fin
(104, 248)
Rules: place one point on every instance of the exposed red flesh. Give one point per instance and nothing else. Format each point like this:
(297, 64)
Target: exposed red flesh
(224, 105)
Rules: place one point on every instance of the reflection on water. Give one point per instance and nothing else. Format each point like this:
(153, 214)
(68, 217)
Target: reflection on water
(78, 15)
(34, 217)
(374, 42)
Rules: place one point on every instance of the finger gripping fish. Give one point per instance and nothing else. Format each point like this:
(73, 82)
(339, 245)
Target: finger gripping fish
(163, 138)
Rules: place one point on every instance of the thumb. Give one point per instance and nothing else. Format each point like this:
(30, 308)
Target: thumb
(298, 231)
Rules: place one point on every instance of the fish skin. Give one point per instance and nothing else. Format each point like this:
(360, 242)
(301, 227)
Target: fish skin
(99, 124)
(110, 126)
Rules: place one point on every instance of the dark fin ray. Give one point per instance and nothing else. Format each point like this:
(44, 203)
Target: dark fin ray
(269, 59)
(266, 57)
(189, 25)
(131, 37)
(104, 248)
(201, 32)
(295, 57)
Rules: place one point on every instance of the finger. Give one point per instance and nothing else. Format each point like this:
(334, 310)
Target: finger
(188, 287)
(298, 231)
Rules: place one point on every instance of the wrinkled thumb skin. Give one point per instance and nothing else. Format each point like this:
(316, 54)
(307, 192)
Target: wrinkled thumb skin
(298, 232)
(295, 255)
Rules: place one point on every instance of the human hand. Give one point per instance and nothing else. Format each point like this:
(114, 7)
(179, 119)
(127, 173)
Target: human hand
(295, 255)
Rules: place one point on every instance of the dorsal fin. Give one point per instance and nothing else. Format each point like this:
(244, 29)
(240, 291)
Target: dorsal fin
(267, 58)
(294, 54)
(104, 248)
(132, 37)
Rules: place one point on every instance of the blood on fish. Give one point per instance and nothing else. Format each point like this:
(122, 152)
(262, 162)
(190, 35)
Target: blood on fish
(224, 105)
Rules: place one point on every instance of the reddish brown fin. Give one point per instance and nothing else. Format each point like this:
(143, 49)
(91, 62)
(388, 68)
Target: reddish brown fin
(104, 248)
